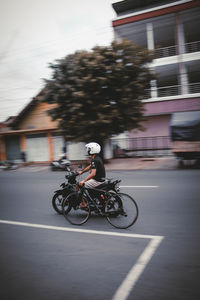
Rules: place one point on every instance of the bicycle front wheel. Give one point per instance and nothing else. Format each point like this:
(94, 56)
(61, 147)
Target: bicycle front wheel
(121, 210)
(75, 209)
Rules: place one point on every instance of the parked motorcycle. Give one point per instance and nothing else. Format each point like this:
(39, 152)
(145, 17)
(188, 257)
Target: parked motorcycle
(61, 164)
(8, 165)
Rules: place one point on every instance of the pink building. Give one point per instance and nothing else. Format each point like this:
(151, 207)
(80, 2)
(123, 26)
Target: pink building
(171, 29)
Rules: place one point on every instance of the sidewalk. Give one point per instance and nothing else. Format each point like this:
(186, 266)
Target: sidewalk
(154, 163)
(157, 163)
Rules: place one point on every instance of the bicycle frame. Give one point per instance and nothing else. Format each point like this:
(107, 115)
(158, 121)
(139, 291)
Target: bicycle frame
(120, 209)
(85, 191)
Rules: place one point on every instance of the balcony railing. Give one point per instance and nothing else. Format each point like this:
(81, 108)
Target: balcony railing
(194, 88)
(166, 51)
(168, 91)
(175, 50)
(143, 146)
(173, 90)
(192, 47)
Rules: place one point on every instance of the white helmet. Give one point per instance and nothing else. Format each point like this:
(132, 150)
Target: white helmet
(93, 148)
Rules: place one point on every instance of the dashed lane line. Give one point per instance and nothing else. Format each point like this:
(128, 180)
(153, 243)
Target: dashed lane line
(140, 186)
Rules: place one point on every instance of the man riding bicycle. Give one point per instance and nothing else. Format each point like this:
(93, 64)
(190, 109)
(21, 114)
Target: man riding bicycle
(97, 174)
(120, 209)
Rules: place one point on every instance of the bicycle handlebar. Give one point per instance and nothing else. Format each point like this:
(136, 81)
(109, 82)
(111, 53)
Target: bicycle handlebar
(72, 174)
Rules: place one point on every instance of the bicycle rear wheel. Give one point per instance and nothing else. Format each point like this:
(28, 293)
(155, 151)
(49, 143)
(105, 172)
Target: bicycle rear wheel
(121, 210)
(75, 210)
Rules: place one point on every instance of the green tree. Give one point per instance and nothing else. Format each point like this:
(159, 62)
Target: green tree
(98, 93)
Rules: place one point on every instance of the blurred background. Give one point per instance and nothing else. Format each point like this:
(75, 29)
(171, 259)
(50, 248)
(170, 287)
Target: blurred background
(36, 33)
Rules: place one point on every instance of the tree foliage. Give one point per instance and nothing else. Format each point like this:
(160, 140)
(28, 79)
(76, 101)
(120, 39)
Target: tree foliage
(98, 93)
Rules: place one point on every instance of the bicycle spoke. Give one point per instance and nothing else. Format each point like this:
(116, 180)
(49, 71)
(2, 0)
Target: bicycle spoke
(75, 210)
(121, 210)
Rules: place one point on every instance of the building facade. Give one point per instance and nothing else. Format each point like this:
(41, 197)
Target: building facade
(172, 30)
(31, 136)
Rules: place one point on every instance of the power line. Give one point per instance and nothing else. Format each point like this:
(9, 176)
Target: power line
(16, 88)
(5, 100)
(50, 43)
(99, 31)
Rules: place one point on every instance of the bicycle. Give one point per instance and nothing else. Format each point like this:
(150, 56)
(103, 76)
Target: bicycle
(70, 186)
(120, 209)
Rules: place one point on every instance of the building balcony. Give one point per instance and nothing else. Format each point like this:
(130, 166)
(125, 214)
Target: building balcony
(173, 92)
(176, 50)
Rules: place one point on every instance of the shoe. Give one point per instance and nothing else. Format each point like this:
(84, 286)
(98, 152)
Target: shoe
(83, 204)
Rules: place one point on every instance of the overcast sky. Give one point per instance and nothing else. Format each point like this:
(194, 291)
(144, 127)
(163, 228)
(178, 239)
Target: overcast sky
(35, 33)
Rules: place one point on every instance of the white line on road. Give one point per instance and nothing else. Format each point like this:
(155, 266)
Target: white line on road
(139, 186)
(132, 235)
(133, 275)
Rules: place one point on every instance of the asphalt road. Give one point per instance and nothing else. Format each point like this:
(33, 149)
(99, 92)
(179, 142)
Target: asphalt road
(48, 260)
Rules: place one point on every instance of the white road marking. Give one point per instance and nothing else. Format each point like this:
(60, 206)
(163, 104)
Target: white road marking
(133, 275)
(139, 186)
